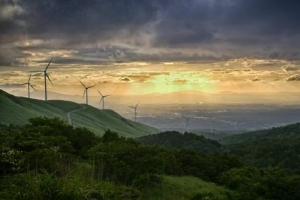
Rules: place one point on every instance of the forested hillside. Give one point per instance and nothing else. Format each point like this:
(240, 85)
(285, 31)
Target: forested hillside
(49, 159)
(275, 147)
(174, 139)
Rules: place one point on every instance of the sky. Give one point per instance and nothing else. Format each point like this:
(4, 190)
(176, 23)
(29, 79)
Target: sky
(158, 51)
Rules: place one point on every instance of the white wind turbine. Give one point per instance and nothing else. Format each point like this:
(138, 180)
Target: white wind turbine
(102, 99)
(86, 92)
(45, 79)
(28, 86)
(187, 119)
(135, 108)
(211, 124)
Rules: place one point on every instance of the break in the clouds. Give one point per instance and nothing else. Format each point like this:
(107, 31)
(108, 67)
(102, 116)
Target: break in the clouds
(105, 31)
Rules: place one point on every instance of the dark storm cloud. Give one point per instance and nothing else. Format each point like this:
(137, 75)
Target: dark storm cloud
(186, 23)
(90, 19)
(269, 16)
(223, 28)
(263, 26)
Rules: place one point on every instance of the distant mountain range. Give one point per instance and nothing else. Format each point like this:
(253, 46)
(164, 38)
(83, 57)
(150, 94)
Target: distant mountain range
(17, 110)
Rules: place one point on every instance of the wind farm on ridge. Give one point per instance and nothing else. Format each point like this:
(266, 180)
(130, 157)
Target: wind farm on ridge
(85, 92)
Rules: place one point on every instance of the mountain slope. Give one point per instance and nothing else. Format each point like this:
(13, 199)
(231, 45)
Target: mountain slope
(291, 131)
(17, 110)
(276, 147)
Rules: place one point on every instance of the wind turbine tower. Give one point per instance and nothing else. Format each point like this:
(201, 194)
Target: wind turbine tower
(187, 119)
(86, 92)
(102, 99)
(29, 85)
(211, 124)
(135, 108)
(45, 79)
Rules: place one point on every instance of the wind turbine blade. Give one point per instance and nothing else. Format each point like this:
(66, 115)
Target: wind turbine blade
(32, 87)
(90, 87)
(100, 93)
(101, 100)
(131, 107)
(107, 95)
(29, 78)
(82, 84)
(24, 84)
(137, 105)
(49, 78)
(48, 64)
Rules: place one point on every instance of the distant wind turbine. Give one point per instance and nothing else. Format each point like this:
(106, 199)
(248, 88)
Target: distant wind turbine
(45, 79)
(28, 86)
(102, 99)
(86, 92)
(187, 123)
(211, 124)
(135, 108)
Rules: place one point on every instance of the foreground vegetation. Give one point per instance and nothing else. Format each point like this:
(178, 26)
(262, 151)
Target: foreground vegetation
(49, 159)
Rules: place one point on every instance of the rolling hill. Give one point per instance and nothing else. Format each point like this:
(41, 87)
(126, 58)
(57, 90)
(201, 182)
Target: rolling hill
(291, 131)
(275, 147)
(174, 139)
(17, 110)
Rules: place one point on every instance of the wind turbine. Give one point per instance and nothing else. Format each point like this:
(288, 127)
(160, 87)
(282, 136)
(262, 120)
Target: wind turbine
(211, 124)
(29, 85)
(102, 99)
(187, 123)
(45, 79)
(135, 108)
(86, 92)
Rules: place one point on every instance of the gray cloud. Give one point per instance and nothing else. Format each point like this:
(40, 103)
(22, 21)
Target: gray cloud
(12, 86)
(295, 77)
(125, 79)
(197, 30)
(256, 79)
(288, 68)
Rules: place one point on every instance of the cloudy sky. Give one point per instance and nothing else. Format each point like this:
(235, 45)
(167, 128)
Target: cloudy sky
(152, 47)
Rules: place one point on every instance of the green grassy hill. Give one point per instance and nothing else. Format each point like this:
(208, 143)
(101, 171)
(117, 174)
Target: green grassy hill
(186, 188)
(17, 110)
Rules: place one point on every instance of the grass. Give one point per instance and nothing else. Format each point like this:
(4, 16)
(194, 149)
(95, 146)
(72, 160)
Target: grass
(73, 186)
(186, 188)
(17, 110)
(80, 185)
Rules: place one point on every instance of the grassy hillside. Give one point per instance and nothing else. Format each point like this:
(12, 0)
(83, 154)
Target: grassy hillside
(186, 187)
(17, 110)
(173, 139)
